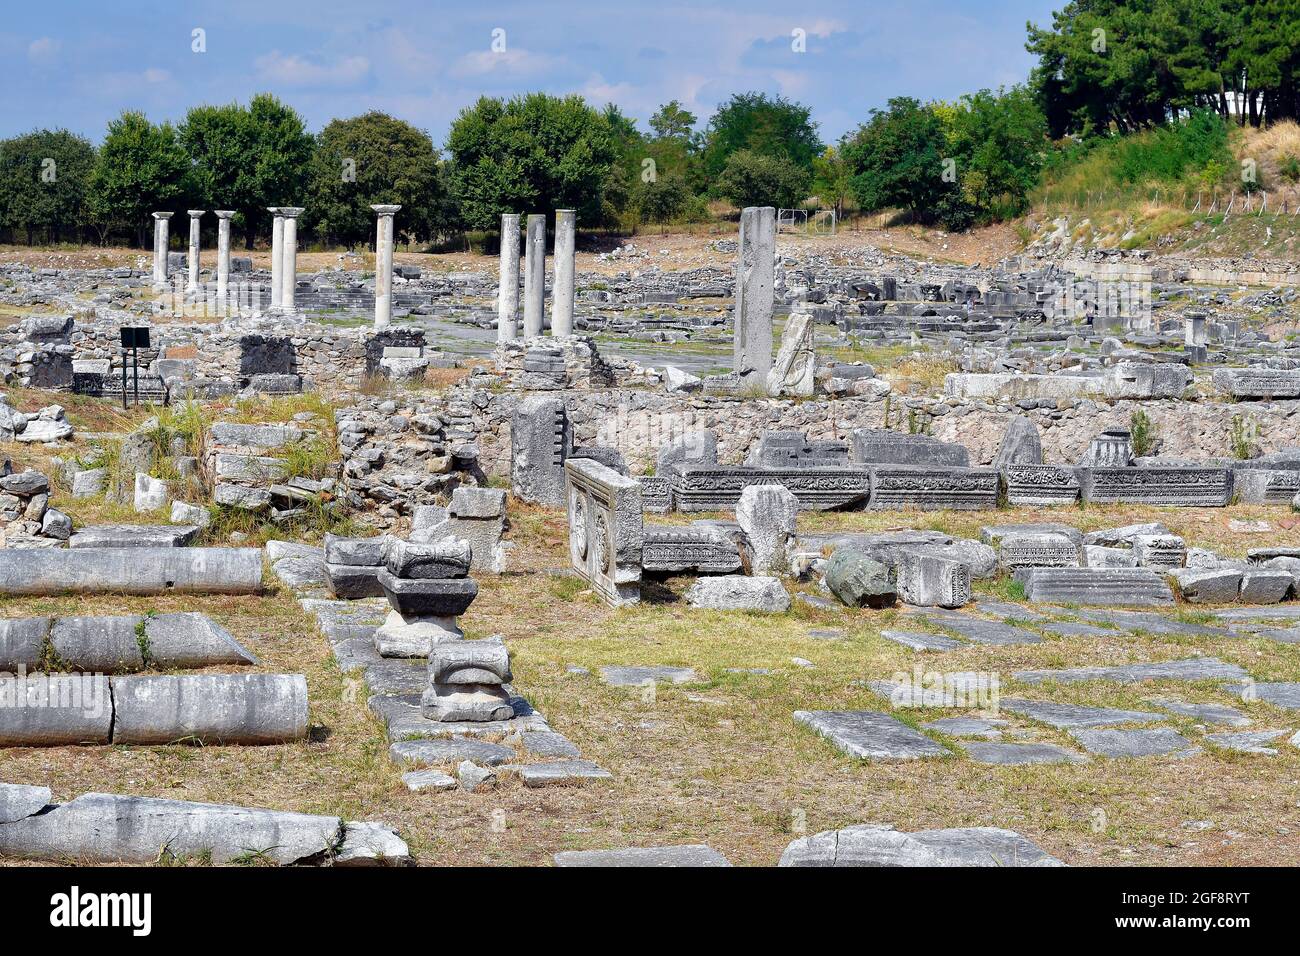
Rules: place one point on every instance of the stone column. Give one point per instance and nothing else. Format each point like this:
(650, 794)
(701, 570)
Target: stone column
(384, 265)
(192, 279)
(534, 276)
(223, 256)
(289, 265)
(160, 243)
(566, 225)
(508, 280)
(1194, 332)
(755, 275)
(277, 254)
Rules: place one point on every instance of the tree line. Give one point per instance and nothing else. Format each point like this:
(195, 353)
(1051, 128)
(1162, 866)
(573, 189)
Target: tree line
(1106, 68)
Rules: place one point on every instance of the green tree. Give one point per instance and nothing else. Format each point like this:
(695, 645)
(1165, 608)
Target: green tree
(754, 179)
(223, 151)
(998, 141)
(283, 151)
(763, 126)
(832, 181)
(44, 180)
(897, 159)
(141, 168)
(534, 153)
(373, 159)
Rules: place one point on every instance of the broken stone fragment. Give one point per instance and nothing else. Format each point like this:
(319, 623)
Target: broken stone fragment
(446, 558)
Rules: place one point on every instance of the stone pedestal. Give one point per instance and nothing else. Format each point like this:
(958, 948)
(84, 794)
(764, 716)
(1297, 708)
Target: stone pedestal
(535, 276)
(289, 261)
(223, 257)
(384, 265)
(277, 254)
(508, 282)
(161, 227)
(562, 295)
(192, 277)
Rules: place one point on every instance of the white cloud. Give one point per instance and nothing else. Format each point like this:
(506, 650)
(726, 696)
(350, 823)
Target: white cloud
(43, 50)
(155, 75)
(512, 61)
(293, 70)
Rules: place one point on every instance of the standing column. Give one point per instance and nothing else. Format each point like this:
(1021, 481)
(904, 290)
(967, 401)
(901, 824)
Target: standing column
(192, 280)
(277, 253)
(508, 280)
(223, 257)
(289, 267)
(566, 225)
(384, 265)
(160, 243)
(755, 274)
(534, 276)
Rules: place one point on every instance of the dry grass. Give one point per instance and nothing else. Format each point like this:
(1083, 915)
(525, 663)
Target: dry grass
(722, 762)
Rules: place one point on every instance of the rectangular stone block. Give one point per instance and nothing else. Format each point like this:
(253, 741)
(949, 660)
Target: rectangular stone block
(879, 446)
(901, 487)
(1042, 550)
(1119, 587)
(131, 570)
(1258, 382)
(1038, 485)
(925, 580)
(606, 529)
(656, 494)
(703, 550)
(1194, 487)
(818, 489)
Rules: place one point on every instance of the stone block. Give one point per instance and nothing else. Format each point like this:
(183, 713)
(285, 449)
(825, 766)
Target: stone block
(606, 530)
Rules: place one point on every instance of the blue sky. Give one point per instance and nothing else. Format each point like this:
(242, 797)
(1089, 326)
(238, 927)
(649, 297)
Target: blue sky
(77, 64)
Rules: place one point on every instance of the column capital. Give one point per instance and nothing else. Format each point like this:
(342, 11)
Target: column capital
(223, 213)
(277, 210)
(163, 215)
(384, 210)
(195, 213)
(291, 212)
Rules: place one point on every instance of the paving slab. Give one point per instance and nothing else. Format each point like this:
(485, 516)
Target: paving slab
(1008, 611)
(871, 844)
(427, 753)
(1278, 693)
(1155, 623)
(1192, 668)
(696, 855)
(1063, 716)
(1017, 755)
(967, 727)
(981, 631)
(971, 689)
(1250, 742)
(1207, 713)
(547, 743)
(1135, 743)
(870, 735)
(1287, 635)
(921, 640)
(628, 676)
(559, 773)
(417, 780)
(1075, 629)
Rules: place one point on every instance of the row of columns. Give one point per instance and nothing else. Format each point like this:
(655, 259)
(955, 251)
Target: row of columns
(284, 257)
(535, 276)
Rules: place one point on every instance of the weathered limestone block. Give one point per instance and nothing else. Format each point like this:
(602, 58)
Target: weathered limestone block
(22, 642)
(900, 487)
(1041, 550)
(428, 597)
(818, 489)
(606, 530)
(694, 449)
(1258, 382)
(926, 580)
(1159, 551)
(755, 296)
(1147, 380)
(467, 682)
(877, 446)
(134, 536)
(1120, 587)
(1113, 448)
(699, 548)
(736, 592)
(1038, 485)
(767, 514)
(541, 441)
(478, 517)
(1020, 445)
(1185, 486)
(415, 635)
(872, 844)
(445, 558)
(794, 371)
(1265, 486)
